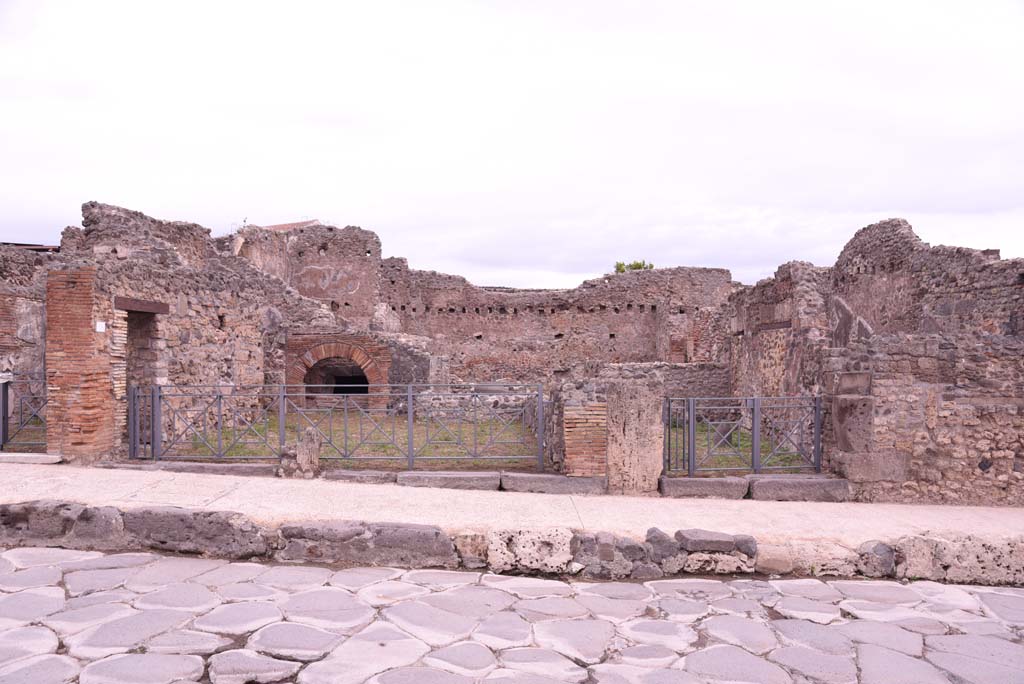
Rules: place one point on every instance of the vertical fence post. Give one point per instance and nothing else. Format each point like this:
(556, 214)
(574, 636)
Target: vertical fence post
(666, 421)
(411, 415)
(817, 434)
(5, 402)
(156, 424)
(540, 428)
(132, 409)
(220, 422)
(755, 435)
(691, 436)
(282, 417)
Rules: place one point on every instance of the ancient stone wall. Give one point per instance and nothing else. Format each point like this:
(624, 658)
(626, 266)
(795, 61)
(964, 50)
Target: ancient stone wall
(22, 329)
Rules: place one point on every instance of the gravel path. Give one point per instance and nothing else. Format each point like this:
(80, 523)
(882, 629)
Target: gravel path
(140, 618)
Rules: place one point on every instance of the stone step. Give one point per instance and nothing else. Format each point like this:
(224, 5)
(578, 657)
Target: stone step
(450, 480)
(549, 483)
(361, 476)
(34, 459)
(704, 487)
(809, 487)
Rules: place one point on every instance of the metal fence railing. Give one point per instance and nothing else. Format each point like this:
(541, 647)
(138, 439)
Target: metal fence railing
(405, 424)
(751, 434)
(23, 412)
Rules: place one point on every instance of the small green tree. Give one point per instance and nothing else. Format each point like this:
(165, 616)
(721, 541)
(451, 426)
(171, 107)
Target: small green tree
(622, 266)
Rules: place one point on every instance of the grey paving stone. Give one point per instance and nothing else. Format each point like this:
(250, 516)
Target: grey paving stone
(704, 487)
(693, 589)
(441, 579)
(123, 634)
(470, 601)
(944, 598)
(41, 669)
(882, 666)
(582, 640)
(231, 573)
(169, 570)
(675, 635)
(807, 588)
(877, 591)
(110, 561)
(821, 667)
(737, 606)
(293, 641)
(390, 591)
(379, 647)
(419, 675)
(782, 488)
(89, 581)
(648, 655)
(885, 612)
(622, 673)
(807, 609)
(112, 596)
(143, 668)
(354, 579)
(504, 675)
(29, 605)
(249, 591)
(30, 556)
(827, 639)
(238, 618)
(328, 608)
(705, 540)
(467, 658)
(362, 476)
(6, 566)
(504, 630)
(612, 609)
(1008, 608)
(242, 666)
(614, 590)
(431, 625)
(543, 661)
(527, 587)
(552, 608)
(734, 665)
(683, 610)
(187, 642)
(913, 623)
(22, 642)
(68, 622)
(296, 578)
(450, 480)
(38, 576)
(977, 659)
(188, 596)
(753, 635)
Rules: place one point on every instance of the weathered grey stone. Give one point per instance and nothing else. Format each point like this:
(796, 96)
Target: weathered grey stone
(355, 579)
(242, 666)
(800, 488)
(327, 608)
(701, 563)
(168, 571)
(249, 591)
(623, 673)
(812, 635)
(806, 609)
(123, 634)
(386, 593)
(468, 658)
(807, 588)
(661, 545)
(295, 578)
(441, 579)
(774, 559)
(977, 659)
(668, 633)
(734, 665)
(293, 641)
(647, 655)
(746, 545)
(504, 630)
(112, 596)
(431, 625)
(472, 549)
(143, 668)
(41, 669)
(471, 601)
(238, 618)
(355, 543)
(703, 589)
(877, 592)
(683, 610)
(450, 480)
(705, 540)
(31, 556)
(527, 587)
(542, 483)
(612, 609)
(751, 635)
(75, 620)
(187, 642)
(217, 533)
(876, 559)
(883, 634)
(231, 573)
(187, 596)
(548, 551)
(882, 666)
(551, 608)
(22, 642)
(89, 581)
(303, 459)
(29, 605)
(704, 487)
(543, 661)
(377, 648)
(110, 562)
(582, 640)
(1005, 607)
(419, 675)
(821, 667)
(29, 578)
(363, 476)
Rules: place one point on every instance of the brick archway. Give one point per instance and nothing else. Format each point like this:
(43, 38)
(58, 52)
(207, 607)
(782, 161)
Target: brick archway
(305, 351)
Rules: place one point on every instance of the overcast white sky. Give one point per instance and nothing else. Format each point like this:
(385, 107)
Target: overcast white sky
(528, 143)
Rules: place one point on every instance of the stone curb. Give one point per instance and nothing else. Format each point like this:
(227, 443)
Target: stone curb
(553, 551)
(704, 487)
(541, 483)
(450, 480)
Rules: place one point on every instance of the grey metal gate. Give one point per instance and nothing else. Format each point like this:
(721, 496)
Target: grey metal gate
(399, 423)
(752, 434)
(23, 412)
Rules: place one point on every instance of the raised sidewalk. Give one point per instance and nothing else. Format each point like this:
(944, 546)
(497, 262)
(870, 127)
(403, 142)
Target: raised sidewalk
(273, 501)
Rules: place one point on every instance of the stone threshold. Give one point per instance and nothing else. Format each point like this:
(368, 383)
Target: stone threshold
(782, 487)
(556, 551)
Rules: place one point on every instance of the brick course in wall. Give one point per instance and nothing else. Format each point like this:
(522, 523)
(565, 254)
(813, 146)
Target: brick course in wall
(585, 430)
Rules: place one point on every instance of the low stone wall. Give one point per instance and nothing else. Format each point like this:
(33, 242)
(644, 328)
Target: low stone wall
(552, 551)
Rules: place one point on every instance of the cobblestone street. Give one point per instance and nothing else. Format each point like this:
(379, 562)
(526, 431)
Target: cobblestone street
(140, 618)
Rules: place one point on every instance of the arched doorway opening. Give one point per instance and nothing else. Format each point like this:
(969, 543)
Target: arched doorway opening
(336, 375)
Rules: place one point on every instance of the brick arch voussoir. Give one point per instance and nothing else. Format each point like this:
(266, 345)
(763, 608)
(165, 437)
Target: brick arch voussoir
(375, 375)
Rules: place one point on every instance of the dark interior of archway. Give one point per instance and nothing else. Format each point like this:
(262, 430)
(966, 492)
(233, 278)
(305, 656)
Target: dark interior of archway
(336, 376)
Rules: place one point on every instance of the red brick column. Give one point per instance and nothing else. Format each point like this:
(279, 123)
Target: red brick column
(80, 407)
(586, 440)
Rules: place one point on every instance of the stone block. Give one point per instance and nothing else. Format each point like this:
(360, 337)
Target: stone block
(774, 559)
(704, 487)
(705, 540)
(858, 382)
(799, 488)
(361, 476)
(853, 422)
(32, 459)
(450, 480)
(221, 534)
(876, 559)
(872, 466)
(354, 543)
(636, 436)
(547, 550)
(552, 484)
